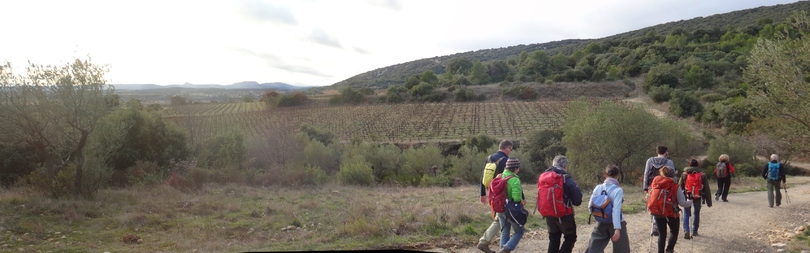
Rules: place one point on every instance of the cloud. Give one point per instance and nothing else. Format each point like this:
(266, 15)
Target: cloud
(360, 50)
(266, 12)
(321, 37)
(278, 62)
(390, 4)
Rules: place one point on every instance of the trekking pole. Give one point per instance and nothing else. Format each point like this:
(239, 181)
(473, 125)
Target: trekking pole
(649, 248)
(787, 197)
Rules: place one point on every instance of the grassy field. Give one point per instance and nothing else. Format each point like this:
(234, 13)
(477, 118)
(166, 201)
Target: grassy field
(230, 218)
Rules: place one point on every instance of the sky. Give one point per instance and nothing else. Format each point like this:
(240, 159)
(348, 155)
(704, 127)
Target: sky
(306, 42)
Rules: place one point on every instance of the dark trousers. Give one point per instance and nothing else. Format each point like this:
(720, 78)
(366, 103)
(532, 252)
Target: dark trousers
(557, 227)
(663, 223)
(722, 187)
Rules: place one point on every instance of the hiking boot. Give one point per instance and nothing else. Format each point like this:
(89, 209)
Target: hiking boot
(687, 236)
(504, 250)
(694, 234)
(654, 233)
(725, 200)
(716, 197)
(771, 206)
(484, 247)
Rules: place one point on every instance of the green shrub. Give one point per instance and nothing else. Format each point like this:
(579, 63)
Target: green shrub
(468, 165)
(417, 161)
(660, 94)
(439, 180)
(355, 171)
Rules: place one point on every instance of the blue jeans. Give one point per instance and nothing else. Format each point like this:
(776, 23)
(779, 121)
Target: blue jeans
(508, 242)
(688, 212)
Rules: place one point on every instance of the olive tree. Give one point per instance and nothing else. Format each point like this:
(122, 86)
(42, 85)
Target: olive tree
(778, 73)
(55, 109)
(595, 137)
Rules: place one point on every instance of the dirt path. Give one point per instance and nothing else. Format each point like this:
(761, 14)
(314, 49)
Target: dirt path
(744, 224)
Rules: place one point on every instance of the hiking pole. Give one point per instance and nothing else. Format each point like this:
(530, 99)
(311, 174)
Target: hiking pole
(787, 197)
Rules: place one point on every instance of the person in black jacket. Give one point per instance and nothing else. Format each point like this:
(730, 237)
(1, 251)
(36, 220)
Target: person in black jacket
(504, 148)
(572, 196)
(773, 172)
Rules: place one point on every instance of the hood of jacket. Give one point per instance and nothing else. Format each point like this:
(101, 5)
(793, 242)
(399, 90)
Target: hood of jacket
(692, 169)
(659, 161)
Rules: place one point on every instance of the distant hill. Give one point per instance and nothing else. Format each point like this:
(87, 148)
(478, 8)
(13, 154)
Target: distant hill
(383, 77)
(247, 85)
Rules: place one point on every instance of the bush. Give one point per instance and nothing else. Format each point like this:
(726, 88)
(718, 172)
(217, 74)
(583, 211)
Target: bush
(417, 161)
(439, 180)
(660, 94)
(355, 171)
(468, 165)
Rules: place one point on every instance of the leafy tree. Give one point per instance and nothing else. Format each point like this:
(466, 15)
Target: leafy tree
(543, 145)
(778, 74)
(224, 150)
(411, 81)
(458, 66)
(480, 143)
(465, 94)
(615, 134)
(497, 71)
(429, 77)
(697, 77)
(422, 89)
(71, 100)
(396, 94)
(660, 75)
(143, 136)
(478, 74)
(684, 104)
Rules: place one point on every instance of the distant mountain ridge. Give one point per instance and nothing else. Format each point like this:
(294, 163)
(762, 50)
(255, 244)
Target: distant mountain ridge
(247, 85)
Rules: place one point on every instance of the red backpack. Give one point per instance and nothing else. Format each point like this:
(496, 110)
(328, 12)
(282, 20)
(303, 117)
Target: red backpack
(663, 197)
(497, 193)
(694, 184)
(550, 189)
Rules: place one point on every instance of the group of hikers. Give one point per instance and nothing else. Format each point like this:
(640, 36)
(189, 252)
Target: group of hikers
(558, 194)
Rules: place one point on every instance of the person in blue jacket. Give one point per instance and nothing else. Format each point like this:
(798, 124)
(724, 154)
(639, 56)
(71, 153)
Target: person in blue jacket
(616, 231)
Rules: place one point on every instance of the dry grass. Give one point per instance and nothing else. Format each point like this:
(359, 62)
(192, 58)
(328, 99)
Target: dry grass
(233, 218)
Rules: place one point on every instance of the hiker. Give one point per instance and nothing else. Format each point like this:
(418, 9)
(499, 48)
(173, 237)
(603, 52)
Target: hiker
(773, 172)
(651, 169)
(499, 157)
(616, 229)
(696, 185)
(515, 215)
(662, 204)
(723, 177)
(562, 222)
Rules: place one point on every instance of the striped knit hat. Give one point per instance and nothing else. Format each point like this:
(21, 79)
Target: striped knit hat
(512, 162)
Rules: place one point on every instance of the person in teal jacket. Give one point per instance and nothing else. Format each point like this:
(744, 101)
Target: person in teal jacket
(514, 195)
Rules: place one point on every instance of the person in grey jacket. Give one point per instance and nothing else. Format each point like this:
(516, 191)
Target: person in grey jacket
(651, 170)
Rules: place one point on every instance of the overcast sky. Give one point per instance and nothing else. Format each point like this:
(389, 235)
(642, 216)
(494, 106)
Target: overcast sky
(306, 42)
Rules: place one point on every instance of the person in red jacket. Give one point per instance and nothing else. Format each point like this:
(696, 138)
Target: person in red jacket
(724, 182)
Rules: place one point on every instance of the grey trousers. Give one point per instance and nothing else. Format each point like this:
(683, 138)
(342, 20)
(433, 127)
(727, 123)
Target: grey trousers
(774, 186)
(601, 236)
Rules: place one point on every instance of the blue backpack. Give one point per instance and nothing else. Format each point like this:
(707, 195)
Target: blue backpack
(773, 170)
(601, 207)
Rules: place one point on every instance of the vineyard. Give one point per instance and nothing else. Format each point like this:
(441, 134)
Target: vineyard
(396, 123)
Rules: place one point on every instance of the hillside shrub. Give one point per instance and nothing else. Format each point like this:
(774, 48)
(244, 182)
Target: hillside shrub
(468, 165)
(417, 162)
(355, 171)
(660, 94)
(438, 180)
(683, 104)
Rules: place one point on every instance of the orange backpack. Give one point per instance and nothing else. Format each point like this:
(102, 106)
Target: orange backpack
(663, 197)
